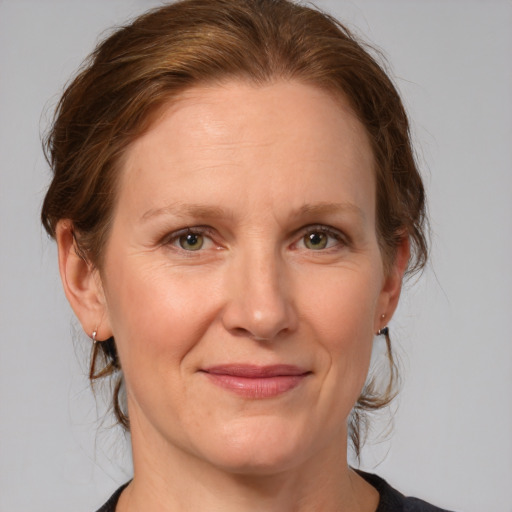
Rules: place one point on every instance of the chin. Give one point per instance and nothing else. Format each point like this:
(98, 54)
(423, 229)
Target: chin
(260, 446)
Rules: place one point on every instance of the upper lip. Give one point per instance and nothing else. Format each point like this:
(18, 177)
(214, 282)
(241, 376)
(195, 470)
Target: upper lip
(254, 371)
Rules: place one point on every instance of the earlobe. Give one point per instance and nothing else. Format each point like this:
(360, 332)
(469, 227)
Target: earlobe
(392, 286)
(82, 284)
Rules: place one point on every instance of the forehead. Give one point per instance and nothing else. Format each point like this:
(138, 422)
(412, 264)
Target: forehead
(305, 110)
(288, 141)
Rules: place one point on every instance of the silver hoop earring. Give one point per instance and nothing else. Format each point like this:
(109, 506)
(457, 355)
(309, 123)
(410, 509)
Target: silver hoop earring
(94, 340)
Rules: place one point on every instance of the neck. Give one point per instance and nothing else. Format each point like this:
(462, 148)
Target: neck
(167, 479)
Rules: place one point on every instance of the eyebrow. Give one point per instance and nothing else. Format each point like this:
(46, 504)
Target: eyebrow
(330, 208)
(206, 211)
(185, 210)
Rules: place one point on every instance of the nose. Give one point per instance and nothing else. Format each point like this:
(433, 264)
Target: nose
(260, 298)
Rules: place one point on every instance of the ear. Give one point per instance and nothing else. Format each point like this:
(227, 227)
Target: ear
(82, 284)
(392, 285)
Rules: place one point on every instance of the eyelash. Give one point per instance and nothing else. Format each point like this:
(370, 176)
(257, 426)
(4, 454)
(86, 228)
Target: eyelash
(331, 232)
(173, 238)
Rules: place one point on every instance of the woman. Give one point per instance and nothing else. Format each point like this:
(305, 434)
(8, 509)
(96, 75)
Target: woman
(235, 203)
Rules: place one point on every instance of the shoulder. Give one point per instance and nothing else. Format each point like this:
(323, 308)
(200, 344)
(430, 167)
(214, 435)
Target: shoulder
(110, 505)
(392, 500)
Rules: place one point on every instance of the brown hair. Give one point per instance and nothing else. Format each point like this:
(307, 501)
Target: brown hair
(144, 65)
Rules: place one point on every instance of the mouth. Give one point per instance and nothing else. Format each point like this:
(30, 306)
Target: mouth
(256, 382)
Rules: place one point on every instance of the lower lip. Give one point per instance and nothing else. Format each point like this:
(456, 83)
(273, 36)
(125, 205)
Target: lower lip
(257, 387)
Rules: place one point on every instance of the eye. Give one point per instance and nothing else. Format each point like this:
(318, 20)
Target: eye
(316, 241)
(318, 238)
(191, 241)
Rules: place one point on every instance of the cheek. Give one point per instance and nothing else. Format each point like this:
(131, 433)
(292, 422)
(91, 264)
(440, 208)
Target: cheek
(341, 315)
(157, 316)
(343, 305)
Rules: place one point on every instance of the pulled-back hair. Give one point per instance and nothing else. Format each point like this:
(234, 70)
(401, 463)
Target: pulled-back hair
(143, 66)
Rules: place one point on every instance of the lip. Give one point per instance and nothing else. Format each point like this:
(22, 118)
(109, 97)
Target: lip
(251, 381)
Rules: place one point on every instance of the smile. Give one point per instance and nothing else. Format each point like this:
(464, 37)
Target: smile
(256, 381)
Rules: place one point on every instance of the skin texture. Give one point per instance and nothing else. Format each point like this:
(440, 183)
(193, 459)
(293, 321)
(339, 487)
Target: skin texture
(277, 183)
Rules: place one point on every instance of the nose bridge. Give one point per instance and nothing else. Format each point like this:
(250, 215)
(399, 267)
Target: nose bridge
(259, 301)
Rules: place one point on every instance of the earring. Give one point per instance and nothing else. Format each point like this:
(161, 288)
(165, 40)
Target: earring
(383, 332)
(93, 336)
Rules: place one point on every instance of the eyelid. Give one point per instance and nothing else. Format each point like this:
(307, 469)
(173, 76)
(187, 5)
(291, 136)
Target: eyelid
(172, 237)
(335, 233)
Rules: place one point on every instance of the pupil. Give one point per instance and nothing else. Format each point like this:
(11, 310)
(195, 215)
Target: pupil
(316, 238)
(192, 239)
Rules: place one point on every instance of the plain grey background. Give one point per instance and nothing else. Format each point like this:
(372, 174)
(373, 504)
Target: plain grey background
(452, 438)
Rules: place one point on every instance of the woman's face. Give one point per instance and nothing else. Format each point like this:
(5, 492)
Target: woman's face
(242, 279)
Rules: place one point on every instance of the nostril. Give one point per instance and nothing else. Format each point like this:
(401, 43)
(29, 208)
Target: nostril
(258, 309)
(240, 331)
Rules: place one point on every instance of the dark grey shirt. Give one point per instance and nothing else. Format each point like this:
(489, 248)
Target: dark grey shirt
(390, 499)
